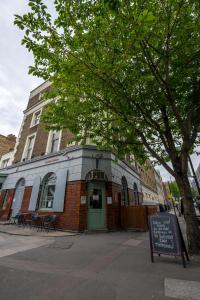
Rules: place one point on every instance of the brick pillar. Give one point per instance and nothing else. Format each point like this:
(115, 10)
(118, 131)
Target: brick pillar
(113, 210)
(5, 213)
(83, 208)
(26, 199)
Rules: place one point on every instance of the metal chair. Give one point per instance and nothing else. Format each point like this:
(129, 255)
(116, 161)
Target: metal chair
(49, 222)
(17, 219)
(34, 220)
(28, 220)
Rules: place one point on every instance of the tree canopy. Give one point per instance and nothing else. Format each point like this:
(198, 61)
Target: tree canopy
(126, 74)
(174, 189)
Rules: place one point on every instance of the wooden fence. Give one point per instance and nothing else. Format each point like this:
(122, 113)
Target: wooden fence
(136, 217)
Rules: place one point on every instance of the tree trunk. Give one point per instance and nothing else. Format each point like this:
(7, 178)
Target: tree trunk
(192, 228)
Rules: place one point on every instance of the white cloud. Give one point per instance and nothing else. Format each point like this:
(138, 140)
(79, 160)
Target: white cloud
(15, 83)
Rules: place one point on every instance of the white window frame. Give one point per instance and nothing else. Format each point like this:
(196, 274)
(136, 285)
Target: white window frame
(48, 147)
(4, 163)
(33, 118)
(43, 194)
(26, 145)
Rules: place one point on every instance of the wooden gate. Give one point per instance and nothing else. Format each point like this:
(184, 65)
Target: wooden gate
(136, 217)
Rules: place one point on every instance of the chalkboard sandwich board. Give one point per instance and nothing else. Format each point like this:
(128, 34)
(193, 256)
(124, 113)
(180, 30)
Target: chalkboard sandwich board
(166, 236)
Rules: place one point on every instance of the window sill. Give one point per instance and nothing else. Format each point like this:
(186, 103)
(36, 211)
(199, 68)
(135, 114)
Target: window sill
(32, 126)
(45, 209)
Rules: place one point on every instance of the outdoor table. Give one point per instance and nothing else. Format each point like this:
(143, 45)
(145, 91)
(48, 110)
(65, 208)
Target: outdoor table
(41, 219)
(26, 218)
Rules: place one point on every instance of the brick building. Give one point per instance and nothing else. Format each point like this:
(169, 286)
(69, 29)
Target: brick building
(167, 193)
(83, 186)
(159, 186)
(151, 183)
(7, 143)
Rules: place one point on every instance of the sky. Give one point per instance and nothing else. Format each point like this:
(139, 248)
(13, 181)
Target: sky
(15, 83)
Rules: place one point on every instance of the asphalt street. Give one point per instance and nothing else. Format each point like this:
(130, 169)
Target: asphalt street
(100, 266)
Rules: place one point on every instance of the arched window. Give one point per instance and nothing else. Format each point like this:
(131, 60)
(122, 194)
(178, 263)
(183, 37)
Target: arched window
(136, 195)
(20, 183)
(47, 190)
(124, 191)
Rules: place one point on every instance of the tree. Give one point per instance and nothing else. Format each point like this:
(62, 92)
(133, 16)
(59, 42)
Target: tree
(126, 73)
(174, 189)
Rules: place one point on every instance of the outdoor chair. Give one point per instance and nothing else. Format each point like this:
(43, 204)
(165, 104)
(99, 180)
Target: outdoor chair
(49, 223)
(34, 220)
(17, 219)
(29, 220)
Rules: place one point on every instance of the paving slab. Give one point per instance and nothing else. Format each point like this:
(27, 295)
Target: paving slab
(10, 244)
(182, 289)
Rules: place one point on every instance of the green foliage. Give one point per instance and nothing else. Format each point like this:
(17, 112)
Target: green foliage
(174, 189)
(126, 73)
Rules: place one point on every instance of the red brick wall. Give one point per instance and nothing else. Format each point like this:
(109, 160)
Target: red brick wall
(74, 216)
(113, 210)
(40, 140)
(69, 218)
(5, 213)
(26, 199)
(2, 198)
(66, 138)
(7, 143)
(36, 99)
(83, 208)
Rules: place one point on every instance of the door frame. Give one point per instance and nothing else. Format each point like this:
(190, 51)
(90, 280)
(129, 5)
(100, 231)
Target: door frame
(103, 203)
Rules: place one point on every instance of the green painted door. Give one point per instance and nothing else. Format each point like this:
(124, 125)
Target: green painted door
(96, 205)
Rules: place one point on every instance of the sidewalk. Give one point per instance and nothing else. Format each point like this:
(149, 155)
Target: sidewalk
(14, 229)
(103, 266)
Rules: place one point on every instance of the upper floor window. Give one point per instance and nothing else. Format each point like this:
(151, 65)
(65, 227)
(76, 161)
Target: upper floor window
(4, 163)
(29, 147)
(53, 143)
(36, 118)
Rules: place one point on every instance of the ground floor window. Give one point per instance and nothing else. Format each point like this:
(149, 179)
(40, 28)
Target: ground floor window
(96, 199)
(47, 191)
(125, 199)
(136, 194)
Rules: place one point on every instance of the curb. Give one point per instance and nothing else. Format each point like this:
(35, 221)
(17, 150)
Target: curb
(52, 236)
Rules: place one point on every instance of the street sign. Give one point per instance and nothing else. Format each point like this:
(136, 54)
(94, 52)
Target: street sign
(166, 236)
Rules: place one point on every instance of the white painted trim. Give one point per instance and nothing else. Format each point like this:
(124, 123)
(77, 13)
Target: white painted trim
(49, 141)
(40, 88)
(33, 117)
(25, 147)
(37, 107)
(60, 137)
